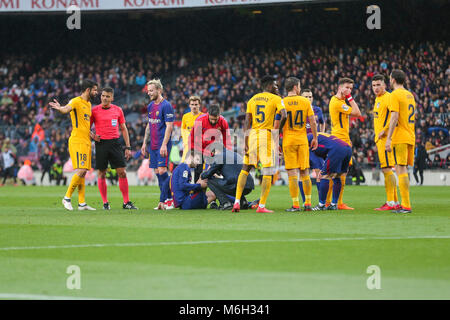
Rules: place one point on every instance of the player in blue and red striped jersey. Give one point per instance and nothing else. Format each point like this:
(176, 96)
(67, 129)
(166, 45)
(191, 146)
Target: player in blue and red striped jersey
(188, 195)
(158, 131)
(336, 154)
(320, 120)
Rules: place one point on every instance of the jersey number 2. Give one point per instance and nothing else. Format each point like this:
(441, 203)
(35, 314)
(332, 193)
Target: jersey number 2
(411, 115)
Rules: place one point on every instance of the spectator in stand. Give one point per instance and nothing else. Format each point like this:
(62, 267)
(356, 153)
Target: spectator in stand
(429, 145)
(438, 163)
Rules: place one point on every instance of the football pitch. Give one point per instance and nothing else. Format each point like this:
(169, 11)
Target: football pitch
(209, 254)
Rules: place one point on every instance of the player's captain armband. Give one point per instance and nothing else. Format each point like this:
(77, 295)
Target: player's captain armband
(345, 107)
(185, 174)
(278, 116)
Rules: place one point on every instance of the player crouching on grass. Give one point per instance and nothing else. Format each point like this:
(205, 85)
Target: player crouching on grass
(188, 195)
(107, 118)
(337, 155)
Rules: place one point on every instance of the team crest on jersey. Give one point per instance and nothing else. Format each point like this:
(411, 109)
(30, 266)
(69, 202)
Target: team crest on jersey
(157, 113)
(86, 117)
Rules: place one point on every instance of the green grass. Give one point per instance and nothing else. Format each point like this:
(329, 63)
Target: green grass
(299, 256)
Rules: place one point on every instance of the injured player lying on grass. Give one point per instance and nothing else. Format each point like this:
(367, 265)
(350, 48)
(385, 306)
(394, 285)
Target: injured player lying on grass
(187, 195)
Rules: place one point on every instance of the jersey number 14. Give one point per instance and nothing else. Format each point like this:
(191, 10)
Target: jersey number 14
(297, 121)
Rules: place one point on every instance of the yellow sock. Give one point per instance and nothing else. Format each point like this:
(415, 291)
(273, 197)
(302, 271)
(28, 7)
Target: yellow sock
(73, 185)
(307, 189)
(403, 183)
(294, 190)
(388, 185)
(242, 180)
(330, 192)
(265, 188)
(342, 190)
(394, 183)
(82, 191)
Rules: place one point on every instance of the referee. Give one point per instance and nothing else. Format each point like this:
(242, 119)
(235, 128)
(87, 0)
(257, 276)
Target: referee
(107, 119)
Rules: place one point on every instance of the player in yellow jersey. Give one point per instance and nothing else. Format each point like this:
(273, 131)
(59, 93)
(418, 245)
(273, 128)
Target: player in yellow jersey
(342, 107)
(295, 142)
(381, 118)
(401, 136)
(79, 141)
(261, 139)
(187, 122)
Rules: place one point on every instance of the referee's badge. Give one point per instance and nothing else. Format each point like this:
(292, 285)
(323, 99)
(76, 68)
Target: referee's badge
(114, 122)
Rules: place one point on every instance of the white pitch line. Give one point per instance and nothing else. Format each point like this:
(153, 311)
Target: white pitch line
(153, 244)
(25, 296)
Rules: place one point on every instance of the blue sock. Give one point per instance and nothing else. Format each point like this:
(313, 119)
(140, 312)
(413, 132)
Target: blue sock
(165, 191)
(318, 187)
(336, 190)
(160, 184)
(159, 180)
(164, 178)
(324, 186)
(233, 199)
(300, 185)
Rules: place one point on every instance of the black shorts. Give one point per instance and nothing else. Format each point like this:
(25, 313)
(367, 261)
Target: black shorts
(109, 151)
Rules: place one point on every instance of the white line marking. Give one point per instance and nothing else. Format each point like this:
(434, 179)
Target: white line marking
(25, 296)
(152, 244)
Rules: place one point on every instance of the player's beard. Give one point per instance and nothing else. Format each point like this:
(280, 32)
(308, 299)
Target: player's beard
(91, 96)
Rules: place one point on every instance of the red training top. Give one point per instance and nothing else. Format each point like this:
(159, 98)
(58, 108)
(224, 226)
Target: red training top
(107, 121)
(203, 134)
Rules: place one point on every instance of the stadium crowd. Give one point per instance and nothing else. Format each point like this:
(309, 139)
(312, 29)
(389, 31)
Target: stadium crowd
(30, 129)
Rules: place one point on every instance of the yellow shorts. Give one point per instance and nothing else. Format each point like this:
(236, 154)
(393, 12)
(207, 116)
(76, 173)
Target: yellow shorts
(296, 157)
(261, 149)
(386, 158)
(403, 154)
(80, 153)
